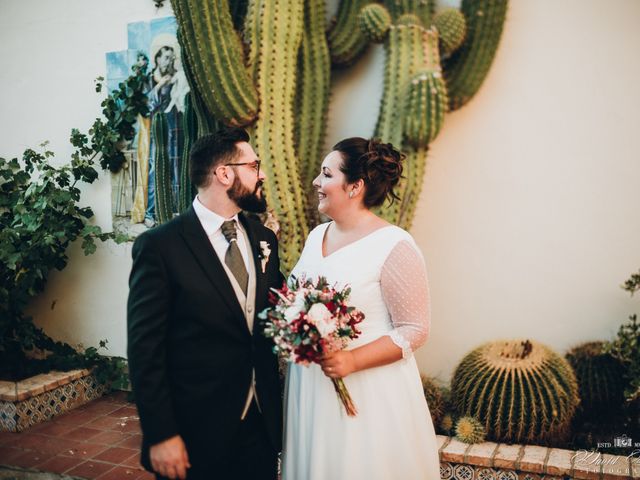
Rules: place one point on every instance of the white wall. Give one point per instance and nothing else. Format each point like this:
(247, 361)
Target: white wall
(529, 215)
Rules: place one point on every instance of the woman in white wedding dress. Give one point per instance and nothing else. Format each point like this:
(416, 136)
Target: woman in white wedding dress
(392, 437)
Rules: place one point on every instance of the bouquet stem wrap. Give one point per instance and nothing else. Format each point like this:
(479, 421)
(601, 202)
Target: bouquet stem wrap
(345, 398)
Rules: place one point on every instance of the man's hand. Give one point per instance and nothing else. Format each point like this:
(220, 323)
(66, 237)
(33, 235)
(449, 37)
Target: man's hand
(170, 459)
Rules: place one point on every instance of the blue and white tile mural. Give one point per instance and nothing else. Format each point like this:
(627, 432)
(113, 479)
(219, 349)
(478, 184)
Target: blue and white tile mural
(154, 42)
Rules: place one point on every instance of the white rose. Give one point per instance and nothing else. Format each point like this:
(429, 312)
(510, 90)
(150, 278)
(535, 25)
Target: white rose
(321, 317)
(293, 311)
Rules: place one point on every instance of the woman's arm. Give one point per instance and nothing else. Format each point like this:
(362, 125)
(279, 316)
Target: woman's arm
(406, 294)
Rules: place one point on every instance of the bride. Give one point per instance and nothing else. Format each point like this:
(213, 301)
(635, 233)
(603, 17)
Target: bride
(392, 437)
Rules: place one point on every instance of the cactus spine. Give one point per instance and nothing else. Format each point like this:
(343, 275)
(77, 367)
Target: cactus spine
(521, 391)
(163, 187)
(276, 40)
(314, 67)
(467, 68)
(214, 51)
(600, 378)
(346, 40)
(452, 29)
(469, 430)
(374, 21)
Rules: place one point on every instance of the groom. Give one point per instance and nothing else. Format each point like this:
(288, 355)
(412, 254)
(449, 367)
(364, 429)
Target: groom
(204, 377)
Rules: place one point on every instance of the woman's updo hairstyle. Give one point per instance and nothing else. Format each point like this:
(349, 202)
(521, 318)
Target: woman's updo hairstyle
(378, 164)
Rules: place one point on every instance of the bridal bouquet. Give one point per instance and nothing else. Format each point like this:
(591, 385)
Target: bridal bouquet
(308, 320)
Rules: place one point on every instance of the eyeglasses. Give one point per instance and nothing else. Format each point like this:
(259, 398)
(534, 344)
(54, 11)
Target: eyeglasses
(255, 165)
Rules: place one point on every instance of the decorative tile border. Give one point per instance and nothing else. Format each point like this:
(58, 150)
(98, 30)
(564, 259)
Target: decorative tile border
(40, 398)
(499, 461)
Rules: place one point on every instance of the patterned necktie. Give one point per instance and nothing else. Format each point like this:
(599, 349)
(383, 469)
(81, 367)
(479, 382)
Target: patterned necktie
(233, 257)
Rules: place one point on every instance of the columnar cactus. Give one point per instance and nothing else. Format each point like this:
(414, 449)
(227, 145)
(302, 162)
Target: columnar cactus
(190, 129)
(452, 28)
(163, 187)
(274, 46)
(521, 391)
(312, 99)
(600, 378)
(215, 54)
(434, 398)
(467, 68)
(346, 41)
(374, 21)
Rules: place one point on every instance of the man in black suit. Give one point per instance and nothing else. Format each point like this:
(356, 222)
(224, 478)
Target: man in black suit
(204, 377)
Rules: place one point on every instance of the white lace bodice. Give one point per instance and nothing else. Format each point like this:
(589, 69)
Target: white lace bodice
(388, 280)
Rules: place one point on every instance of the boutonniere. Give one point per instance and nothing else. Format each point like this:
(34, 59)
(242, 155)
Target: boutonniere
(265, 252)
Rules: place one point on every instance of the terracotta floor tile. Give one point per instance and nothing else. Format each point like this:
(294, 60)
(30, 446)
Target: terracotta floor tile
(129, 425)
(83, 433)
(115, 455)
(99, 408)
(133, 441)
(87, 450)
(111, 437)
(122, 473)
(29, 440)
(7, 437)
(54, 428)
(59, 464)
(119, 398)
(90, 469)
(133, 461)
(105, 423)
(76, 418)
(146, 476)
(126, 411)
(8, 453)
(29, 459)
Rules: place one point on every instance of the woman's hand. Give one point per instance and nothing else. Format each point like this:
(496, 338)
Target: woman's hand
(338, 364)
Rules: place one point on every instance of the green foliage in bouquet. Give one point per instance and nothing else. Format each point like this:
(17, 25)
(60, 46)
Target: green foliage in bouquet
(469, 430)
(521, 391)
(600, 379)
(39, 219)
(266, 64)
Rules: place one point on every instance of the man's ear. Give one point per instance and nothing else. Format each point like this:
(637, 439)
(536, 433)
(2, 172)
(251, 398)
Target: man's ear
(221, 174)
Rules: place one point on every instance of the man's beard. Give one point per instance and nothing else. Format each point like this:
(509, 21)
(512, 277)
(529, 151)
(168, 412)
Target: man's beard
(246, 199)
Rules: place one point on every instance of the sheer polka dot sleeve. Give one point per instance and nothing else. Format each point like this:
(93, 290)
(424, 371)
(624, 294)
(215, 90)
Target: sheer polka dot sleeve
(406, 293)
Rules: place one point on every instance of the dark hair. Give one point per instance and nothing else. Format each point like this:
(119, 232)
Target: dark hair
(378, 164)
(211, 150)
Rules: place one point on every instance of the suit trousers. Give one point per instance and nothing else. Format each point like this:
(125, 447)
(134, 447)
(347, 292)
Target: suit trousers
(252, 456)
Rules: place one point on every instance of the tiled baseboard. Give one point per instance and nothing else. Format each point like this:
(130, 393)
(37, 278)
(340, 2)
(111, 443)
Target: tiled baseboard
(499, 461)
(40, 398)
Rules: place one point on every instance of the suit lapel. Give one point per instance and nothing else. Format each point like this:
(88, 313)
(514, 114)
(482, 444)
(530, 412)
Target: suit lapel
(254, 242)
(197, 241)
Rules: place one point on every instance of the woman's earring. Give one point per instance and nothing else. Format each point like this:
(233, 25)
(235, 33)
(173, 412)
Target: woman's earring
(351, 194)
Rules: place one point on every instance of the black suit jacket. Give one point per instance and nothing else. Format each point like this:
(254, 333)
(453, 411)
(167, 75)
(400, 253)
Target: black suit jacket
(191, 354)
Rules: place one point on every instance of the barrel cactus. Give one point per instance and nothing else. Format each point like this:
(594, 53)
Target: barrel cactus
(520, 390)
(469, 430)
(600, 378)
(447, 424)
(265, 65)
(434, 398)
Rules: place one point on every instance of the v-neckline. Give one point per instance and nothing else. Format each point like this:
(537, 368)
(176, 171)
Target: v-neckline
(324, 234)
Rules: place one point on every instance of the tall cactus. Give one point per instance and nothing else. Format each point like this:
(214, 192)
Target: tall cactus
(312, 99)
(346, 41)
(163, 187)
(521, 391)
(274, 45)
(214, 51)
(190, 129)
(467, 68)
